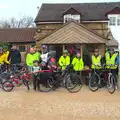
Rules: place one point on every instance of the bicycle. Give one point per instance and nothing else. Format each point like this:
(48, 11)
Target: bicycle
(111, 82)
(16, 78)
(3, 68)
(65, 80)
(95, 80)
(4, 83)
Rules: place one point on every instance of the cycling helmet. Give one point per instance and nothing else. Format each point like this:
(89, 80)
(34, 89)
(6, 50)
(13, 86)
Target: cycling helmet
(44, 46)
(65, 51)
(52, 60)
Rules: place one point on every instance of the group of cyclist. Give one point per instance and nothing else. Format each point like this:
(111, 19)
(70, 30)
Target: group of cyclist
(110, 60)
(34, 57)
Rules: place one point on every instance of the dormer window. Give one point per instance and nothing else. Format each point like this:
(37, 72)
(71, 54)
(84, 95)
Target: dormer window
(114, 16)
(118, 20)
(70, 17)
(114, 20)
(71, 14)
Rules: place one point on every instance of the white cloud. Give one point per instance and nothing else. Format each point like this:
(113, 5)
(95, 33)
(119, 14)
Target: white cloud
(3, 6)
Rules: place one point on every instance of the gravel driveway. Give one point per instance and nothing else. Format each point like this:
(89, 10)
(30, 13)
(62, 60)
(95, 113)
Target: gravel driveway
(60, 105)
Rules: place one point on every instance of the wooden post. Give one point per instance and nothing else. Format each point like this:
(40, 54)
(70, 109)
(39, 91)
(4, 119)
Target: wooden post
(81, 47)
(63, 47)
(81, 51)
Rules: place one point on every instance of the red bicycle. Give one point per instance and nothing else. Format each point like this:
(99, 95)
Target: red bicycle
(18, 79)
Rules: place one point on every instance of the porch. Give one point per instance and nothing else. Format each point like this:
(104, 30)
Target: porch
(74, 35)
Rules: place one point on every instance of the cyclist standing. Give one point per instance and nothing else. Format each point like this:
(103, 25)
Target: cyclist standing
(96, 60)
(78, 63)
(111, 58)
(45, 57)
(37, 54)
(30, 58)
(64, 60)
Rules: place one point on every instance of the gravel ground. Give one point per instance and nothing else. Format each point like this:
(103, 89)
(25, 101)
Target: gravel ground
(21, 104)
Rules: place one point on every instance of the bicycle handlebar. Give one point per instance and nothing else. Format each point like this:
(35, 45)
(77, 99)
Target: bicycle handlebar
(111, 65)
(97, 65)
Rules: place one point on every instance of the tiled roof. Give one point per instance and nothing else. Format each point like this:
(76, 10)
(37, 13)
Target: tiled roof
(71, 33)
(17, 34)
(88, 11)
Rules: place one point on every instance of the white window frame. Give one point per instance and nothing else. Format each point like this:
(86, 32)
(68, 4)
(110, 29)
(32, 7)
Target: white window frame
(69, 17)
(115, 18)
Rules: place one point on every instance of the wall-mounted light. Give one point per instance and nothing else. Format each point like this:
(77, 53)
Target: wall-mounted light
(38, 30)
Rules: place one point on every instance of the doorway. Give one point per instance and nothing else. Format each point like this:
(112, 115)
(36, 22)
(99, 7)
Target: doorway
(58, 49)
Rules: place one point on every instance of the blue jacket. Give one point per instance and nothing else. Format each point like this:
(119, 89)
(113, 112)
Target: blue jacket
(117, 60)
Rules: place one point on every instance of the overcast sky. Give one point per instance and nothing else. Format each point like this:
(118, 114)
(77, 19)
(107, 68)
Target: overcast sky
(18, 8)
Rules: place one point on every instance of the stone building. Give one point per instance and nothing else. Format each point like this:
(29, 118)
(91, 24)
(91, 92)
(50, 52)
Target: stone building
(83, 25)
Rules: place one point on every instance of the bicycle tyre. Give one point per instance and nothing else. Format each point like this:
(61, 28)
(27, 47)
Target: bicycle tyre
(7, 84)
(48, 86)
(75, 82)
(111, 84)
(94, 82)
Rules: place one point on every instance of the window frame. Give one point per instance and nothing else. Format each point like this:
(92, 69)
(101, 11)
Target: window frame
(24, 48)
(69, 17)
(114, 20)
(118, 20)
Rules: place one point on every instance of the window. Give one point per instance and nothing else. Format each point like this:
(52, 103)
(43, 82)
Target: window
(70, 17)
(118, 20)
(114, 20)
(22, 48)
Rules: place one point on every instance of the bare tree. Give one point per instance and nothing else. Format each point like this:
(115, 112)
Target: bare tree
(24, 22)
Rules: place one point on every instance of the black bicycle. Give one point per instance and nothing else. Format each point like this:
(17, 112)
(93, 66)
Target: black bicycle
(65, 79)
(95, 79)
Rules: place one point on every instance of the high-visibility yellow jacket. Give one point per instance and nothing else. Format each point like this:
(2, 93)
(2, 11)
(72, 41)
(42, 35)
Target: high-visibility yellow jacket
(3, 58)
(96, 62)
(111, 60)
(30, 58)
(37, 56)
(64, 61)
(6, 57)
(78, 64)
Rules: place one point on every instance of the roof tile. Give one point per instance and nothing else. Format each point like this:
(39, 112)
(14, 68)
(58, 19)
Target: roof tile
(17, 35)
(89, 11)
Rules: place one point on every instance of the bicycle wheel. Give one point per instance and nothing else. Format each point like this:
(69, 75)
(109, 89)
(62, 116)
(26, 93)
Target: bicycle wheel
(111, 84)
(73, 83)
(94, 82)
(47, 86)
(7, 86)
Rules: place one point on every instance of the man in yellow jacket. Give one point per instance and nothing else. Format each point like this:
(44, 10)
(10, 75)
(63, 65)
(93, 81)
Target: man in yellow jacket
(64, 60)
(78, 64)
(30, 58)
(96, 60)
(111, 58)
(6, 53)
(3, 57)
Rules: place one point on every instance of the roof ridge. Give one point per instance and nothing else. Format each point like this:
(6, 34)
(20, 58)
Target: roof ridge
(15, 28)
(81, 3)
